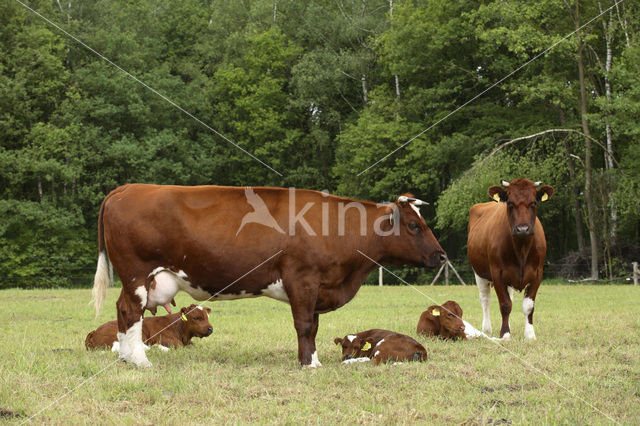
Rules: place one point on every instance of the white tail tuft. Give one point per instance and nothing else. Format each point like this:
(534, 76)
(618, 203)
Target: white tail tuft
(100, 282)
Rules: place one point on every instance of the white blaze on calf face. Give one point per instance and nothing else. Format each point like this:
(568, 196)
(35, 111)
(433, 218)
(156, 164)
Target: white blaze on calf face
(351, 337)
(378, 344)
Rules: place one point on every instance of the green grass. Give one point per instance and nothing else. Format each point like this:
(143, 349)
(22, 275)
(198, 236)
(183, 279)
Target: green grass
(588, 341)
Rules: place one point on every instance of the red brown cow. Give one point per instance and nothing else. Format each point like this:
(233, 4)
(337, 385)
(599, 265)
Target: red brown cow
(165, 331)
(306, 248)
(398, 348)
(507, 247)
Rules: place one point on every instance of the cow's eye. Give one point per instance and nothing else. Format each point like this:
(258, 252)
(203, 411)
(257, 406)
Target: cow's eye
(414, 226)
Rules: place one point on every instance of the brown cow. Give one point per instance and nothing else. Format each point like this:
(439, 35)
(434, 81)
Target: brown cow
(306, 248)
(165, 331)
(444, 321)
(507, 247)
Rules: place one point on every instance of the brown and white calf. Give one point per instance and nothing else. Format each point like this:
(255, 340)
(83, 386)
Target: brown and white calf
(379, 345)
(165, 331)
(361, 344)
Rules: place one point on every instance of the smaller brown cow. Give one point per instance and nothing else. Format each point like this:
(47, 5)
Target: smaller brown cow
(361, 345)
(379, 345)
(398, 348)
(444, 321)
(169, 330)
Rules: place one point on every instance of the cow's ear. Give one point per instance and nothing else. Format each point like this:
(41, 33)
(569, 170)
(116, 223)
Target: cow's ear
(498, 194)
(544, 193)
(207, 309)
(337, 341)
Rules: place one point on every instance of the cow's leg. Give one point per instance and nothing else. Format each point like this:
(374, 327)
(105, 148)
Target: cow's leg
(527, 309)
(485, 300)
(305, 320)
(130, 307)
(505, 309)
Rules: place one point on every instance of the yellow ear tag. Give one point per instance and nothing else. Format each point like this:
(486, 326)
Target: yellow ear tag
(435, 312)
(184, 317)
(366, 346)
(496, 197)
(544, 197)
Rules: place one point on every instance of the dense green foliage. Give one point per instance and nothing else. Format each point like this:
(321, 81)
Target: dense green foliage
(318, 91)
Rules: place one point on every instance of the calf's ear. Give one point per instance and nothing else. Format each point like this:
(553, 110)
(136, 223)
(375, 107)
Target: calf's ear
(337, 341)
(207, 309)
(498, 194)
(544, 193)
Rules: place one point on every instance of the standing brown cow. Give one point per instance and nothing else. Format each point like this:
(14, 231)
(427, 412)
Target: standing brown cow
(306, 248)
(506, 246)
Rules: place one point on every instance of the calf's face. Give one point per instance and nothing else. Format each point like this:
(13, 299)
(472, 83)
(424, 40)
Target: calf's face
(450, 315)
(353, 346)
(196, 320)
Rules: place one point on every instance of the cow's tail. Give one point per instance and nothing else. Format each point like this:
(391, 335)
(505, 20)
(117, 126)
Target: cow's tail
(104, 273)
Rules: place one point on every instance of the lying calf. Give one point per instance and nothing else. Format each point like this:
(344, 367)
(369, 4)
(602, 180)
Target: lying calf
(361, 344)
(380, 346)
(446, 321)
(170, 330)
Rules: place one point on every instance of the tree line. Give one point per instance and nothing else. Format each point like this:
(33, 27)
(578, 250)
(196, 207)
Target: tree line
(99, 94)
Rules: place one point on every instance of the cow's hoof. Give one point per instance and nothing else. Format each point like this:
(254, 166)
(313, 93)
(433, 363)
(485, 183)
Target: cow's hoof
(144, 364)
(506, 337)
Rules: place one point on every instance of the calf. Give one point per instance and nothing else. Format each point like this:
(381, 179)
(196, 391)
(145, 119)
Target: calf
(398, 348)
(444, 321)
(170, 330)
(361, 344)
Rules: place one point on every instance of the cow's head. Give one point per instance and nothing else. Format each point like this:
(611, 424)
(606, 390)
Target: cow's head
(522, 197)
(196, 320)
(413, 243)
(450, 316)
(353, 346)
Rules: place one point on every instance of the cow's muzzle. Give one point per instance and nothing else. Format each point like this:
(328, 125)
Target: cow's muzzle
(522, 230)
(436, 259)
(209, 331)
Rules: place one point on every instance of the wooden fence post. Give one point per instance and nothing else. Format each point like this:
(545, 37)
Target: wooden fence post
(380, 276)
(635, 273)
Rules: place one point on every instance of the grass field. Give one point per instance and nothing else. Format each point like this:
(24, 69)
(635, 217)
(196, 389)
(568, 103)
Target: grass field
(588, 342)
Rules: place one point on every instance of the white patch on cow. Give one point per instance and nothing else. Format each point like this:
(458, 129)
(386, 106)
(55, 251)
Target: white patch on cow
(276, 291)
(351, 337)
(510, 291)
(352, 360)
(123, 347)
(376, 354)
(485, 300)
(163, 348)
(141, 292)
(471, 332)
(184, 257)
(415, 209)
(115, 347)
(527, 308)
(156, 271)
(397, 363)
(379, 343)
(315, 362)
(167, 285)
(200, 307)
(133, 337)
(507, 336)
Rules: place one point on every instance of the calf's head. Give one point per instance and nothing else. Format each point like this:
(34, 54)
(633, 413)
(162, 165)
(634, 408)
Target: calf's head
(412, 242)
(522, 197)
(450, 316)
(196, 320)
(353, 346)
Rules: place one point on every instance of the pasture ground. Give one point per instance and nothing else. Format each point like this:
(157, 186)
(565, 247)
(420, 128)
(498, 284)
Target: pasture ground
(588, 341)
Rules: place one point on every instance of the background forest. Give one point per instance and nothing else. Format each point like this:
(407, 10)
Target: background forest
(321, 91)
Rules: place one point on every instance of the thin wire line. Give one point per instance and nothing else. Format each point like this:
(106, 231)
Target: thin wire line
(118, 359)
(523, 361)
(184, 111)
(544, 52)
